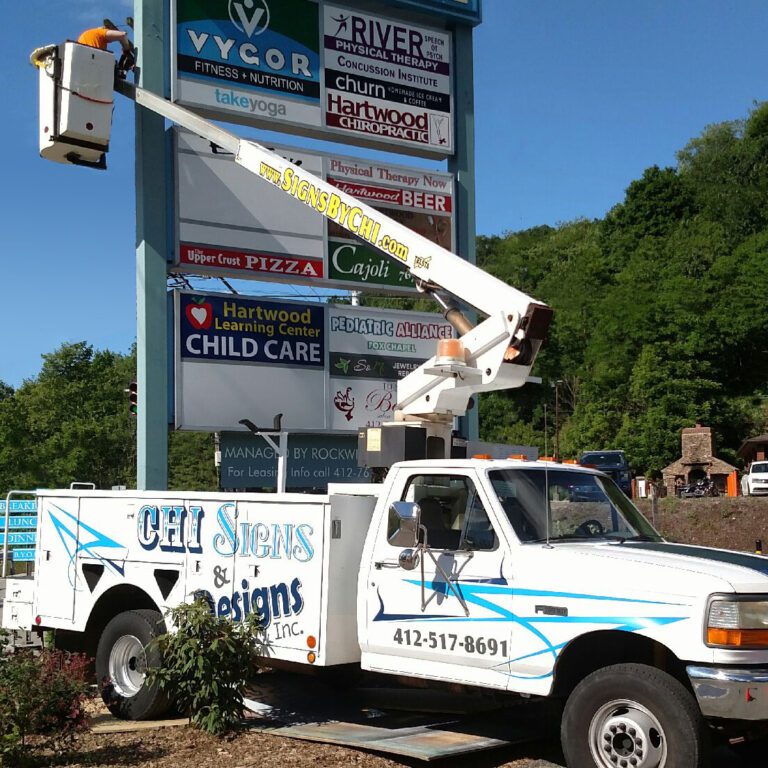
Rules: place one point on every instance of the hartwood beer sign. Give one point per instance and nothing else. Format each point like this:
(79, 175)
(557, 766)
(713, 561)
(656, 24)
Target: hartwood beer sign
(384, 79)
(230, 223)
(324, 367)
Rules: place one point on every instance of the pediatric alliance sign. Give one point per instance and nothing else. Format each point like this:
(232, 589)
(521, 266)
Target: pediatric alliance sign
(323, 367)
(385, 80)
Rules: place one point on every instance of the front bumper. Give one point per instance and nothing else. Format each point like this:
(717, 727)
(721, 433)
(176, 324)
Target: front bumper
(732, 694)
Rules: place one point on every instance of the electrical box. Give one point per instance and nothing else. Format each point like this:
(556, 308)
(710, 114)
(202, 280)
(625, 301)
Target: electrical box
(379, 447)
(76, 102)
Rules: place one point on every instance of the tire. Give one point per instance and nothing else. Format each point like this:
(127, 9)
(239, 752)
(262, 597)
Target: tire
(120, 656)
(633, 712)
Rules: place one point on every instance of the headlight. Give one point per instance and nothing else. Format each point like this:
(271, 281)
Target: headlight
(735, 623)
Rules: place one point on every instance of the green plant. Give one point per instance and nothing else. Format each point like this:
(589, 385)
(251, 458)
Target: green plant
(207, 661)
(41, 693)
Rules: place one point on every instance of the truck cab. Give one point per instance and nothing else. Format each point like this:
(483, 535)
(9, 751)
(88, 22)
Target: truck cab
(613, 463)
(542, 579)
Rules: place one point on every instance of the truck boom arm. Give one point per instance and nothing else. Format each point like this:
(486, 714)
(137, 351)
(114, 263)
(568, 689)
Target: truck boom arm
(498, 353)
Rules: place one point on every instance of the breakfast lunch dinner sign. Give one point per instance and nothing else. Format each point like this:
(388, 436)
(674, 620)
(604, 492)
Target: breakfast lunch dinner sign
(318, 69)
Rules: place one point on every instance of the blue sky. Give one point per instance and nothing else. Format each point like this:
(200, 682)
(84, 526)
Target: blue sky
(574, 99)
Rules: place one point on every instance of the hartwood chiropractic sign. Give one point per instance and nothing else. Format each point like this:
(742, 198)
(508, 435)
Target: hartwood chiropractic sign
(230, 223)
(323, 367)
(319, 69)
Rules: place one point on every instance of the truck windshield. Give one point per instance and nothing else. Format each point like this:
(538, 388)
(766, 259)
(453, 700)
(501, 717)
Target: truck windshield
(604, 459)
(755, 468)
(580, 506)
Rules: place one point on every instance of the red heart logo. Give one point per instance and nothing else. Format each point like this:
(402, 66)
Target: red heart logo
(200, 315)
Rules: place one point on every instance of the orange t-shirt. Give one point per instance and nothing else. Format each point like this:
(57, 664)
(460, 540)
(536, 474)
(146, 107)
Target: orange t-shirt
(96, 38)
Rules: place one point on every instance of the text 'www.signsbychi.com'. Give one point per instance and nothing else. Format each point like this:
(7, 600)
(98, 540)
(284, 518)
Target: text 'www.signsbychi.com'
(353, 218)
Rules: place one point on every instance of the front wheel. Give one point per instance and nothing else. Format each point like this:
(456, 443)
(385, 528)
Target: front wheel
(633, 716)
(122, 658)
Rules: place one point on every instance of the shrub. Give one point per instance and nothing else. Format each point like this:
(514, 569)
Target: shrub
(207, 661)
(41, 693)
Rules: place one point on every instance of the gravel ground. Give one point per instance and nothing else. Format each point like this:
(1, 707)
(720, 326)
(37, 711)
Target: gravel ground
(186, 748)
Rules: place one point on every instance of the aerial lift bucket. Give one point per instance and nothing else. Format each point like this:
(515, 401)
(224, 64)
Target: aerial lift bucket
(76, 101)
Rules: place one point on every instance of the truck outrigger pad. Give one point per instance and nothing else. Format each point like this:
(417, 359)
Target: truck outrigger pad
(423, 724)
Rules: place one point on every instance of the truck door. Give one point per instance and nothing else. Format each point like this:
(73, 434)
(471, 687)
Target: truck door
(450, 624)
(56, 576)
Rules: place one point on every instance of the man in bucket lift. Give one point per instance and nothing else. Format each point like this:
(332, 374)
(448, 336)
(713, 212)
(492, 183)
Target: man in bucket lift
(101, 37)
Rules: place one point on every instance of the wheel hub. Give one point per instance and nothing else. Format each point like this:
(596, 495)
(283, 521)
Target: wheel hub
(627, 735)
(127, 665)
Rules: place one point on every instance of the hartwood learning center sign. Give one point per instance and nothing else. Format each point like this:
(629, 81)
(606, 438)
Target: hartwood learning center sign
(323, 367)
(229, 222)
(320, 69)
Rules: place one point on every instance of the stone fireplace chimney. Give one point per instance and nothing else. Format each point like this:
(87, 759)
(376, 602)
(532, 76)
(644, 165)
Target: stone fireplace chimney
(697, 445)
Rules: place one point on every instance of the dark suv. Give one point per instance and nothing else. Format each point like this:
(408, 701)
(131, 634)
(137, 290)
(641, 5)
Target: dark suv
(613, 463)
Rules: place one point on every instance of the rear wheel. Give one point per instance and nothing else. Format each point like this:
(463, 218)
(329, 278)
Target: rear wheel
(633, 716)
(122, 658)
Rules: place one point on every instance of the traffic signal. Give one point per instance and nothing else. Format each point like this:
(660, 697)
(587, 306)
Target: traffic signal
(133, 397)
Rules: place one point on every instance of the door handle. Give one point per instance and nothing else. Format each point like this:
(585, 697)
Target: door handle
(379, 564)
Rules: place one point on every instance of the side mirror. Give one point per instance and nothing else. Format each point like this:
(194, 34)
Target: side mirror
(404, 521)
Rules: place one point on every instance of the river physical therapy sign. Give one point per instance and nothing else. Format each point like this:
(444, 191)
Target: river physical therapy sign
(316, 68)
(323, 367)
(230, 223)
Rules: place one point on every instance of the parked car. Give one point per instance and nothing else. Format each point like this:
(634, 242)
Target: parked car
(755, 480)
(613, 463)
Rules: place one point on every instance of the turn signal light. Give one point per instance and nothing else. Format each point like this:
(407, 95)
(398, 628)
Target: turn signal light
(311, 658)
(738, 638)
(311, 641)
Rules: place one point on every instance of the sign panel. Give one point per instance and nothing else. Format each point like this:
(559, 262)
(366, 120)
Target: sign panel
(248, 358)
(369, 351)
(20, 505)
(249, 60)
(319, 69)
(19, 522)
(324, 367)
(313, 461)
(14, 539)
(230, 223)
(387, 79)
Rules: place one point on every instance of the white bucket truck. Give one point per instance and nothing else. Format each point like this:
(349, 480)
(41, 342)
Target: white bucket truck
(528, 578)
